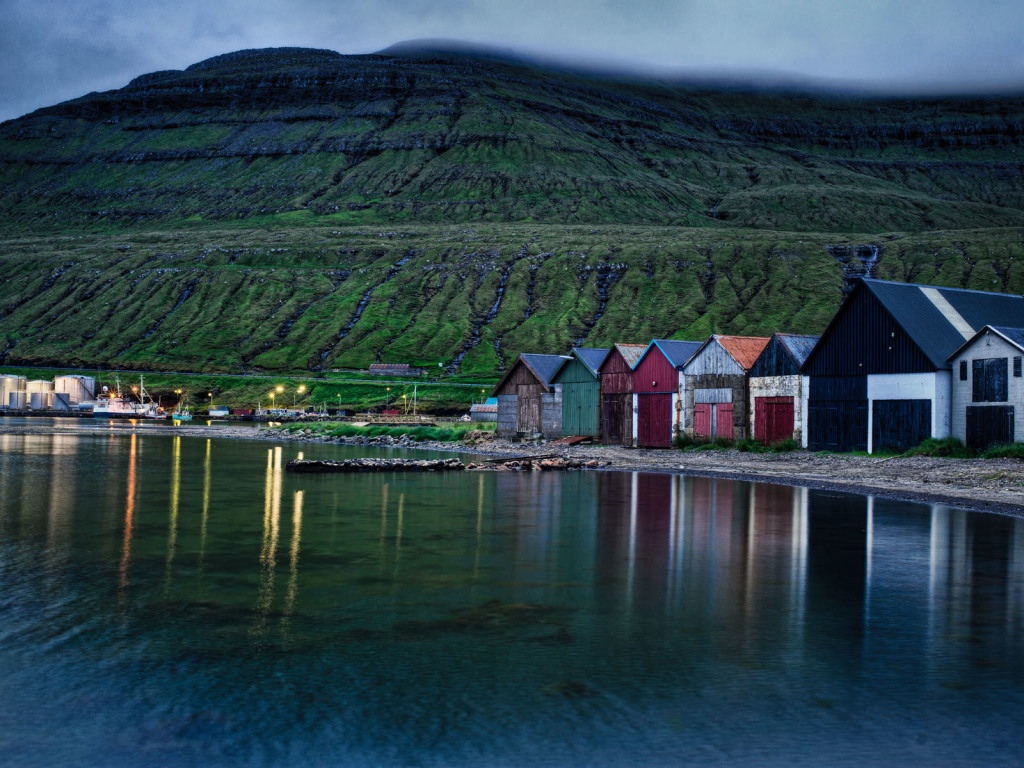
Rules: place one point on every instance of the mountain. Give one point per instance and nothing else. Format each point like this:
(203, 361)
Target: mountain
(425, 133)
(286, 209)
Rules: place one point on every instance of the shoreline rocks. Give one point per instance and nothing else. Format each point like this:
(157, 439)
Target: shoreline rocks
(439, 465)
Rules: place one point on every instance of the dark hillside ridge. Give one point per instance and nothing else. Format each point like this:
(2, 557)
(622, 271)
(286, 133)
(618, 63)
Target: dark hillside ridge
(421, 133)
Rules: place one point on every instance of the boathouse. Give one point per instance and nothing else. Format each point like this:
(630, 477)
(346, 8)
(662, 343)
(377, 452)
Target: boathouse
(657, 386)
(616, 379)
(581, 392)
(716, 396)
(988, 388)
(529, 404)
(879, 378)
(486, 411)
(776, 411)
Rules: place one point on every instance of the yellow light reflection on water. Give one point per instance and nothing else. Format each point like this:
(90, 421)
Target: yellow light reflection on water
(271, 526)
(172, 522)
(129, 521)
(293, 565)
(206, 505)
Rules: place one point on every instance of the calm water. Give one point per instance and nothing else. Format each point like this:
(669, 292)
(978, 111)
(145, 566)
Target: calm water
(170, 601)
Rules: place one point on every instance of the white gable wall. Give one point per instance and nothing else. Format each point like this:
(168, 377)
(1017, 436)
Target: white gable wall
(988, 346)
(913, 386)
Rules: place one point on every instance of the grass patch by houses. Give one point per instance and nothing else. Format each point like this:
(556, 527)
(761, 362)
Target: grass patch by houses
(449, 433)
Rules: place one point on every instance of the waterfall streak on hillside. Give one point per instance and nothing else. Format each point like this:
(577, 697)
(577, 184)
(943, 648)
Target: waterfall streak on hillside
(607, 276)
(478, 323)
(361, 307)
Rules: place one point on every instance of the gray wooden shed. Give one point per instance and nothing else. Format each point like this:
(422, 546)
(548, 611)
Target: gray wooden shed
(529, 403)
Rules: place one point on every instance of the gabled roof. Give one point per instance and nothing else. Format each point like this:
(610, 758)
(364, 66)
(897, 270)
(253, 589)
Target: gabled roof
(676, 352)
(938, 320)
(923, 313)
(592, 357)
(1014, 336)
(631, 353)
(744, 349)
(543, 367)
(798, 345)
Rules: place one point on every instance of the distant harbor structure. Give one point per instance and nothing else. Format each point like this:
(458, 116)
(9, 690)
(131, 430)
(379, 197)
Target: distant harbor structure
(64, 393)
(487, 411)
(393, 369)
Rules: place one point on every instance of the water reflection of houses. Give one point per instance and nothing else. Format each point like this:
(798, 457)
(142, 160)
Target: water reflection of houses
(775, 570)
(708, 553)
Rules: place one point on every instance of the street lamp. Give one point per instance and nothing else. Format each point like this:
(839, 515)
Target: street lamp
(387, 398)
(298, 392)
(272, 393)
(210, 395)
(405, 405)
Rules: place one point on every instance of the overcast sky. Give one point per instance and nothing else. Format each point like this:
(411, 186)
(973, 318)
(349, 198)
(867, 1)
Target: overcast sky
(54, 50)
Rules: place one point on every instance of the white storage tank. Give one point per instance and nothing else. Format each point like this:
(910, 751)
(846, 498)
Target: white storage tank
(18, 400)
(10, 384)
(39, 401)
(80, 389)
(39, 385)
(61, 401)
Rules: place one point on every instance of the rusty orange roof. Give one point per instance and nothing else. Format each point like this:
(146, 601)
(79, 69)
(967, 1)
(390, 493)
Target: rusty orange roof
(744, 349)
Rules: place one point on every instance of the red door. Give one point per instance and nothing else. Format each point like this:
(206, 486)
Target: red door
(654, 420)
(702, 420)
(773, 419)
(723, 420)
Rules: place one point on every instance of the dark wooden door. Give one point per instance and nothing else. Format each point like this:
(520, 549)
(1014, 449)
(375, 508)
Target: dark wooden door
(988, 425)
(773, 419)
(837, 425)
(898, 425)
(654, 420)
(529, 409)
(612, 419)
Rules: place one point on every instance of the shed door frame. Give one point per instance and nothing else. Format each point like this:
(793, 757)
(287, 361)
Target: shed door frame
(898, 425)
(774, 418)
(528, 410)
(654, 420)
(988, 425)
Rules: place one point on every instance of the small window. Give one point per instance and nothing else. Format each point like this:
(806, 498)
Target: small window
(963, 370)
(989, 385)
(1016, 367)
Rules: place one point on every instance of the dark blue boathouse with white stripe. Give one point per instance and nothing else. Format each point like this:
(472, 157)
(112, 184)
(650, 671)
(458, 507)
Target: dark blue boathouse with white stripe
(879, 378)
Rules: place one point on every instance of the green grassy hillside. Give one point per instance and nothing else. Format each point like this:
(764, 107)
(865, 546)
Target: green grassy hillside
(294, 210)
(312, 298)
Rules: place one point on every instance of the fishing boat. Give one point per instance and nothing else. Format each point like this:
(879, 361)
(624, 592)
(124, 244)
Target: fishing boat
(181, 411)
(118, 405)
